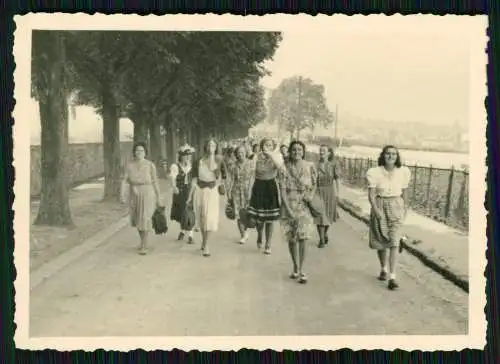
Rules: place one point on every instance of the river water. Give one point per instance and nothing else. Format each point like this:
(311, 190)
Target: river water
(410, 157)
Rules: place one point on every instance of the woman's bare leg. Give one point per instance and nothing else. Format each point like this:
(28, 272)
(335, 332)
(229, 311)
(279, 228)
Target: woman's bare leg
(382, 257)
(143, 248)
(302, 257)
(292, 248)
(269, 235)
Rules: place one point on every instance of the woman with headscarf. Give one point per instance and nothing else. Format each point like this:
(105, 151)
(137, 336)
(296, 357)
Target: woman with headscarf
(298, 184)
(265, 199)
(327, 189)
(208, 176)
(181, 176)
(241, 176)
(388, 196)
(144, 193)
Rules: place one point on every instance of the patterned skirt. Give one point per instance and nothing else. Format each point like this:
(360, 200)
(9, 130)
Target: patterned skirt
(386, 232)
(265, 201)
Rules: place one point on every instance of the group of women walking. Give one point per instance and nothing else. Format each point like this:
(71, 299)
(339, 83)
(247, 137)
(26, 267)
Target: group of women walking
(264, 184)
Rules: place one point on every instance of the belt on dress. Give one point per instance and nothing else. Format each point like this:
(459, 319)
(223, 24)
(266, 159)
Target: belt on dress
(388, 197)
(204, 184)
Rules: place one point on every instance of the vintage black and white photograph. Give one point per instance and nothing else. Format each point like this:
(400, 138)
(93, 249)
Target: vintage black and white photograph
(318, 180)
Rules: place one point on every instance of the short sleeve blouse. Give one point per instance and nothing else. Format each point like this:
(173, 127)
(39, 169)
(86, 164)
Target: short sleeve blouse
(387, 185)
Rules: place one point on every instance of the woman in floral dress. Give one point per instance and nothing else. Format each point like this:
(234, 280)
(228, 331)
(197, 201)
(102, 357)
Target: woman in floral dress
(241, 176)
(297, 183)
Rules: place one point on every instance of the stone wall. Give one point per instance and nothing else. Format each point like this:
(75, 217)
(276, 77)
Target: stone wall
(85, 162)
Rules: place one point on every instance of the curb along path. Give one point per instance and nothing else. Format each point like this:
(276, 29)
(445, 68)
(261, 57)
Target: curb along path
(61, 261)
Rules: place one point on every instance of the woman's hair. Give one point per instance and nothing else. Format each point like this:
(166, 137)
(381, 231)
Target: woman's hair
(205, 146)
(139, 144)
(263, 141)
(179, 157)
(331, 154)
(255, 147)
(283, 146)
(235, 151)
(381, 158)
(294, 142)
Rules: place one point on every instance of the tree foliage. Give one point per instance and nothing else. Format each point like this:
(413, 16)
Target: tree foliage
(298, 103)
(198, 83)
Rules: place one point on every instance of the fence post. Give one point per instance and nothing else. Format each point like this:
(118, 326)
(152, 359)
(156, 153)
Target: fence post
(463, 204)
(448, 194)
(415, 171)
(429, 182)
(360, 176)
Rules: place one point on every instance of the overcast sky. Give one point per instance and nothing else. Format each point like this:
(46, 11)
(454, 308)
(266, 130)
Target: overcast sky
(398, 68)
(394, 70)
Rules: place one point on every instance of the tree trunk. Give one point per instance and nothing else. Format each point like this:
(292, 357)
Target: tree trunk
(172, 152)
(111, 145)
(155, 144)
(54, 200)
(140, 131)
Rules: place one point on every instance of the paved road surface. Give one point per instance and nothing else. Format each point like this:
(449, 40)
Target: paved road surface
(174, 291)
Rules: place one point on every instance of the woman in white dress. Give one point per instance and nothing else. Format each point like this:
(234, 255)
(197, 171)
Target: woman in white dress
(388, 196)
(208, 174)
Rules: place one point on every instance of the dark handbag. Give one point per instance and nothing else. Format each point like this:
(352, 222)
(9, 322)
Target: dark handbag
(316, 206)
(246, 219)
(222, 190)
(160, 221)
(230, 213)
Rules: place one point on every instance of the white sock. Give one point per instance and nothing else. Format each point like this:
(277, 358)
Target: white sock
(384, 269)
(245, 235)
(392, 276)
(190, 233)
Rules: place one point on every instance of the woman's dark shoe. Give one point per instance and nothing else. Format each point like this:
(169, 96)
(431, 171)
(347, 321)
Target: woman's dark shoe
(326, 240)
(321, 244)
(392, 285)
(190, 240)
(294, 275)
(181, 236)
(302, 278)
(382, 276)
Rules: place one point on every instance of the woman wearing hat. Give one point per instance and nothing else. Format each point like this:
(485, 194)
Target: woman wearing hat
(181, 176)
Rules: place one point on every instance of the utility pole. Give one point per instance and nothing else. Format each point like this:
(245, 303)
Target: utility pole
(336, 125)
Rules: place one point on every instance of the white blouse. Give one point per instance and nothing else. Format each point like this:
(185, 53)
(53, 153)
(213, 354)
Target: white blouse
(174, 170)
(388, 184)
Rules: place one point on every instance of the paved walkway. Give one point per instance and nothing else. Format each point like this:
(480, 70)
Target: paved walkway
(174, 291)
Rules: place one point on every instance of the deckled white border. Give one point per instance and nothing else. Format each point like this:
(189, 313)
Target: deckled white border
(474, 30)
